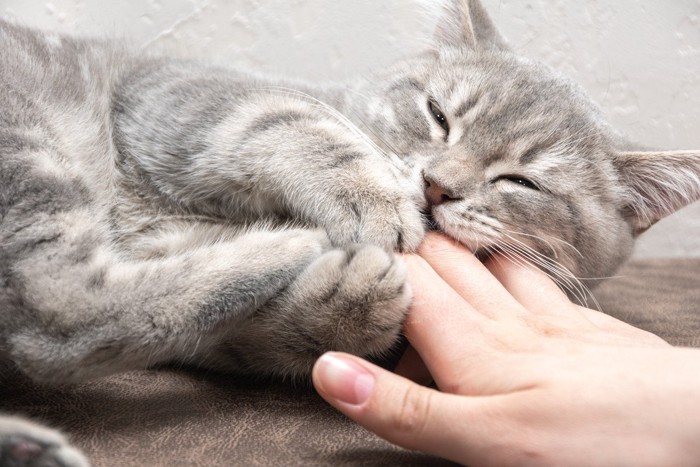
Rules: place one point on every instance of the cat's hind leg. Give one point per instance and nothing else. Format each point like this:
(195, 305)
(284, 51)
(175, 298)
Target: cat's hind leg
(26, 444)
(353, 300)
(89, 311)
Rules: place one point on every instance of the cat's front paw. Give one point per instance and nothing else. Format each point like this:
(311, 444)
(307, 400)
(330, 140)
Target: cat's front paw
(389, 219)
(352, 300)
(26, 444)
(357, 299)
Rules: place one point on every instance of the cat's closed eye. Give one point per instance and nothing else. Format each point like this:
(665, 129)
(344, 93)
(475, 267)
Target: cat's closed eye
(439, 117)
(519, 180)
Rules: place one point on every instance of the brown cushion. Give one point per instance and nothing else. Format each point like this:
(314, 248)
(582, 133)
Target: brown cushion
(170, 417)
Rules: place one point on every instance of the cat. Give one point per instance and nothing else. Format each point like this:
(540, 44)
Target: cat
(156, 211)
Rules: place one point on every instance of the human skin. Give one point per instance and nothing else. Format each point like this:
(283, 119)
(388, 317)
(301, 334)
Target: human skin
(524, 376)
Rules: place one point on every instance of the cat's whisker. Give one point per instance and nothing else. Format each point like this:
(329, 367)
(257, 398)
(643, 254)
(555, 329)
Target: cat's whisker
(536, 237)
(196, 346)
(551, 238)
(536, 253)
(516, 259)
(334, 113)
(536, 260)
(369, 129)
(476, 238)
(549, 265)
(563, 282)
(604, 278)
(521, 258)
(561, 274)
(336, 336)
(531, 250)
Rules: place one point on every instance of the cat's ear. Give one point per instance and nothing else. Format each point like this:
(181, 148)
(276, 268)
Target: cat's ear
(465, 23)
(658, 183)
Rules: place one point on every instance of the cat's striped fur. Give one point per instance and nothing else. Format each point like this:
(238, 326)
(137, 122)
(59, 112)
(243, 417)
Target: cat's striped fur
(156, 211)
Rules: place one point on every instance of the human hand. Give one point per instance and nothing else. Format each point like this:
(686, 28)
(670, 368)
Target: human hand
(525, 376)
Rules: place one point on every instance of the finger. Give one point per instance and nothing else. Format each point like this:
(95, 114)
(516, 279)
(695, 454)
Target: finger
(622, 329)
(459, 268)
(411, 367)
(447, 332)
(399, 410)
(541, 296)
(531, 287)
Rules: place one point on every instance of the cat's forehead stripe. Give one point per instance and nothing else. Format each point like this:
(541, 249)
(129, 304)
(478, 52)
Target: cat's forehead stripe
(407, 82)
(466, 106)
(532, 154)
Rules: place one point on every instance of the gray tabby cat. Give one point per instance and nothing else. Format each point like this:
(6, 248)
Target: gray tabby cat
(156, 211)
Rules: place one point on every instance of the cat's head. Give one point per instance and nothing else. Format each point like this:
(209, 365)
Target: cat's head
(512, 156)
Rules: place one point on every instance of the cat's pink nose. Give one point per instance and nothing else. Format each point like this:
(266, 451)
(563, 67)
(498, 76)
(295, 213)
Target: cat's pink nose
(435, 193)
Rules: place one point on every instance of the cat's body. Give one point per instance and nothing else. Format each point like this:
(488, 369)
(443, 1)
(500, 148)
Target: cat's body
(156, 211)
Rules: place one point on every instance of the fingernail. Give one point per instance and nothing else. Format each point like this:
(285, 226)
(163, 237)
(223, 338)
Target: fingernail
(343, 379)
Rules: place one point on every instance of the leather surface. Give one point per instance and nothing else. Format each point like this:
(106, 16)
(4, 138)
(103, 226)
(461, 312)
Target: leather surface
(660, 295)
(177, 417)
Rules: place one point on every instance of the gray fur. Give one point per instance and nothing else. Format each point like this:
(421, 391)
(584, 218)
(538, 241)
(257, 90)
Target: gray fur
(23, 443)
(156, 211)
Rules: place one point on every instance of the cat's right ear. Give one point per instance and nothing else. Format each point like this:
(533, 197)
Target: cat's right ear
(464, 24)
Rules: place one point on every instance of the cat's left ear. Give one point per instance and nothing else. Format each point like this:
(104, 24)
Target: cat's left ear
(658, 183)
(466, 23)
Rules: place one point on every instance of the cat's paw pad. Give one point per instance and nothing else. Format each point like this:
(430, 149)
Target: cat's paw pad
(25, 444)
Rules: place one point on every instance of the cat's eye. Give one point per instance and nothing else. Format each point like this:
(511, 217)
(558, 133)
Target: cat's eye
(439, 117)
(519, 180)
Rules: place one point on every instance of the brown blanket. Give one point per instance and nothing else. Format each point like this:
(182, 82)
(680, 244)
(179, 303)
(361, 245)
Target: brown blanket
(168, 417)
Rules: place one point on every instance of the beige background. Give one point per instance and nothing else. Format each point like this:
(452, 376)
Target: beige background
(639, 58)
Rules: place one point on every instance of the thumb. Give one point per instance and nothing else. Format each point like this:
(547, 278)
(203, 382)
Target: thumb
(399, 410)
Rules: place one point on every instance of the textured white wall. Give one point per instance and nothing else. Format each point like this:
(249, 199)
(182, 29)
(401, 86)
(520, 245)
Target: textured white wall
(640, 59)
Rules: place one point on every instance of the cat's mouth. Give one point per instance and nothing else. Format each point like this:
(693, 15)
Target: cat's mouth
(482, 254)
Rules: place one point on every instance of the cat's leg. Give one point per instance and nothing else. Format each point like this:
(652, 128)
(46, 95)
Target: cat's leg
(90, 312)
(216, 144)
(26, 444)
(326, 175)
(353, 300)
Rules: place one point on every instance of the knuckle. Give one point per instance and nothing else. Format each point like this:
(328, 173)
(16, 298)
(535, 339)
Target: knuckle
(413, 413)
